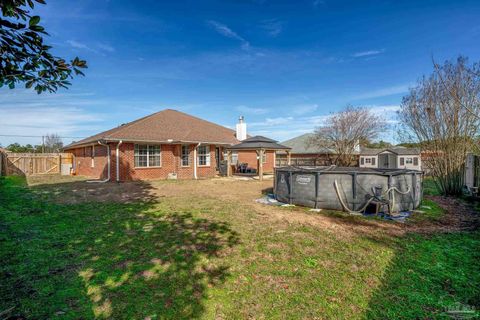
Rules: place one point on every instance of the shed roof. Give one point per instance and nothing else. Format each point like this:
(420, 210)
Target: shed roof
(396, 150)
(258, 142)
(166, 125)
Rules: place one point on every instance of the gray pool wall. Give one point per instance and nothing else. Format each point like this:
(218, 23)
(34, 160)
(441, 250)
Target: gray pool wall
(314, 187)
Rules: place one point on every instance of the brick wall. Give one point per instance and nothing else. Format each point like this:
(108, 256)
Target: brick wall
(84, 165)
(250, 157)
(170, 163)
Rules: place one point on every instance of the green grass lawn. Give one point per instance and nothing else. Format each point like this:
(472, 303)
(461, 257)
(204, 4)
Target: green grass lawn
(191, 257)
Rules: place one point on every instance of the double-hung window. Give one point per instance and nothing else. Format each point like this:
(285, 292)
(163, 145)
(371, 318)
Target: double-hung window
(234, 157)
(204, 155)
(185, 155)
(147, 156)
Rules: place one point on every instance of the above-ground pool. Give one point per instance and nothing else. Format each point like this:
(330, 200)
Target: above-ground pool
(349, 188)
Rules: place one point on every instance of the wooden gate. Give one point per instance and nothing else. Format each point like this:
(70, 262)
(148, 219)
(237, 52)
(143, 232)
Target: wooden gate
(35, 163)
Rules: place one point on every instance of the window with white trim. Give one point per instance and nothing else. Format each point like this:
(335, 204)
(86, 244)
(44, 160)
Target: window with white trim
(234, 157)
(203, 155)
(147, 156)
(264, 157)
(185, 155)
(368, 160)
(409, 160)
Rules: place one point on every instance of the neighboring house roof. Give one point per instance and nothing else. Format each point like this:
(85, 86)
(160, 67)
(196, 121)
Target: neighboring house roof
(303, 145)
(370, 151)
(258, 142)
(166, 125)
(397, 150)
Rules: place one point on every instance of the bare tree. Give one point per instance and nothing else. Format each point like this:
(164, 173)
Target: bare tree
(344, 130)
(442, 114)
(53, 143)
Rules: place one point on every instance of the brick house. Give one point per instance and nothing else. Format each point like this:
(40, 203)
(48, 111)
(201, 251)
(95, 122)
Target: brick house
(166, 144)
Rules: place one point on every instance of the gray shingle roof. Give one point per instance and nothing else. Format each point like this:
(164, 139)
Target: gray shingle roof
(396, 150)
(302, 145)
(370, 151)
(258, 142)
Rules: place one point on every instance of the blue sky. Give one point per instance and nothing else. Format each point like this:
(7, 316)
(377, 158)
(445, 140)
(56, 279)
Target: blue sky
(284, 65)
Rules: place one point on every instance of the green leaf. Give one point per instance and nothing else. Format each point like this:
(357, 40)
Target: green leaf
(29, 84)
(34, 21)
(37, 28)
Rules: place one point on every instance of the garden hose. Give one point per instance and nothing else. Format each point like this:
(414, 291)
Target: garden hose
(391, 204)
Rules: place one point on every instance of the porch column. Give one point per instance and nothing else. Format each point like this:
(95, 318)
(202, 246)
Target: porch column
(288, 158)
(229, 163)
(260, 164)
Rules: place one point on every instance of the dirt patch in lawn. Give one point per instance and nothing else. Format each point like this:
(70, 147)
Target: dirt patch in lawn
(72, 190)
(458, 214)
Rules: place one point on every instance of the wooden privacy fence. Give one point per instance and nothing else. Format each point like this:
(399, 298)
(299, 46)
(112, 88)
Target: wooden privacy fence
(36, 163)
(2, 164)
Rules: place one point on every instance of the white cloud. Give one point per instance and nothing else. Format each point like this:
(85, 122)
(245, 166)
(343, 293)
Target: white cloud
(272, 26)
(271, 122)
(77, 44)
(383, 92)
(106, 47)
(229, 33)
(287, 127)
(284, 128)
(23, 112)
(304, 109)
(100, 46)
(367, 53)
(80, 45)
(38, 121)
(387, 112)
(250, 110)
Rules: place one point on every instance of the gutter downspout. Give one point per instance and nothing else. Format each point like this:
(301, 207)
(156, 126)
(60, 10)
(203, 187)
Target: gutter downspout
(195, 161)
(118, 160)
(108, 165)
